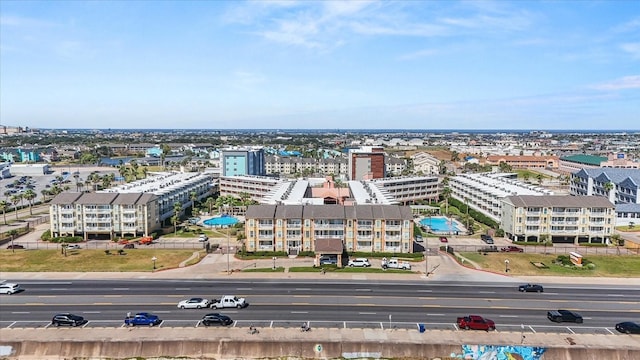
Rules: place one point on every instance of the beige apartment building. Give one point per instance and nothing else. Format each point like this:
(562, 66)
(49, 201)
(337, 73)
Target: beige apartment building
(563, 219)
(104, 215)
(329, 229)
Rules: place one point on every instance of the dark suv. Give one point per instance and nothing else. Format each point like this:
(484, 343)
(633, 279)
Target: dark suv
(216, 319)
(486, 238)
(67, 319)
(564, 316)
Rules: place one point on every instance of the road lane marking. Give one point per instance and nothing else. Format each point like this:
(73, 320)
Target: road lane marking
(363, 290)
(103, 303)
(92, 312)
(507, 316)
(34, 304)
(367, 313)
(611, 332)
(427, 291)
(486, 292)
(120, 289)
(616, 295)
(568, 328)
(499, 307)
(432, 314)
(301, 296)
(58, 289)
(113, 296)
(302, 289)
(244, 289)
(299, 312)
(47, 296)
(21, 312)
(182, 289)
(530, 327)
(163, 311)
(300, 304)
(366, 305)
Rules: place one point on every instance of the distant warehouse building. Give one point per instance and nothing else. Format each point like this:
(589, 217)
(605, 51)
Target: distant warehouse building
(562, 219)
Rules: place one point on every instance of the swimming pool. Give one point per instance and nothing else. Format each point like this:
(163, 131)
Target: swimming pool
(440, 224)
(223, 220)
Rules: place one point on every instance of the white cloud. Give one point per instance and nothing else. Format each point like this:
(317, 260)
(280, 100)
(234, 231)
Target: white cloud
(632, 48)
(627, 82)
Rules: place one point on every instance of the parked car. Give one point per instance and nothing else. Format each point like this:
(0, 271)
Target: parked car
(9, 288)
(475, 322)
(129, 246)
(73, 247)
(216, 319)
(628, 327)
(530, 288)
(512, 249)
(15, 246)
(142, 319)
(194, 303)
(203, 238)
(229, 301)
(564, 316)
(359, 262)
(67, 320)
(486, 238)
(419, 238)
(328, 260)
(444, 239)
(487, 249)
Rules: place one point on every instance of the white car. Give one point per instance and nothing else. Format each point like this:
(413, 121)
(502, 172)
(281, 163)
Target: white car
(203, 238)
(194, 303)
(73, 247)
(359, 262)
(9, 288)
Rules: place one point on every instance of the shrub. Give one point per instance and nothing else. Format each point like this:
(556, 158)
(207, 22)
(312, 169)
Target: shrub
(307, 253)
(46, 236)
(66, 239)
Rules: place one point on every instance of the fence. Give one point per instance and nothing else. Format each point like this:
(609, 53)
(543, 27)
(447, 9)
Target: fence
(553, 250)
(109, 245)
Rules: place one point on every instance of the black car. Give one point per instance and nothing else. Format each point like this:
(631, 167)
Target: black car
(628, 327)
(216, 319)
(530, 288)
(564, 316)
(67, 319)
(487, 249)
(486, 238)
(15, 246)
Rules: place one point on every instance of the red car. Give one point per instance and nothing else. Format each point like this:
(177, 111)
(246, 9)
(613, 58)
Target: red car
(512, 249)
(443, 239)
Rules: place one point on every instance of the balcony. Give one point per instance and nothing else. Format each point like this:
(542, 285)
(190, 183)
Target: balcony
(365, 227)
(294, 237)
(393, 227)
(267, 236)
(365, 237)
(329, 226)
(392, 237)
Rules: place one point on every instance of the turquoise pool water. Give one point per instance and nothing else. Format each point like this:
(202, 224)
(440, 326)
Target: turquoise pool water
(223, 220)
(440, 224)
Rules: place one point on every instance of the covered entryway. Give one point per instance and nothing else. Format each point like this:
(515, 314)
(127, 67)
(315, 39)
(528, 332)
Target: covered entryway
(328, 247)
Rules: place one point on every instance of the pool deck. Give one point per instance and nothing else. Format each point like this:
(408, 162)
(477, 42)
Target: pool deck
(239, 219)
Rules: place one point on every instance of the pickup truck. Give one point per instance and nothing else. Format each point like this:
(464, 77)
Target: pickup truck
(142, 319)
(394, 263)
(475, 322)
(229, 301)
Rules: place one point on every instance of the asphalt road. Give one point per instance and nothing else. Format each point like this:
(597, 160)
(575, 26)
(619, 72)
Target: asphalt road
(371, 304)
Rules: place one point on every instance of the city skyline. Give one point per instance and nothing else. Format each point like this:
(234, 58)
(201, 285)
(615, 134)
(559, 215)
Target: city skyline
(320, 65)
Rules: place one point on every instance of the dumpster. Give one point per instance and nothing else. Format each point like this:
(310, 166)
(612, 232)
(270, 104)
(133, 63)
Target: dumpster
(421, 328)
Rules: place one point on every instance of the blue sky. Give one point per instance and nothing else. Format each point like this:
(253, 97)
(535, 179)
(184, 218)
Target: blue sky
(320, 64)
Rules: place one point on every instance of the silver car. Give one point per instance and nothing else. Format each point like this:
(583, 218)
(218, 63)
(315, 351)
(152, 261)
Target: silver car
(194, 303)
(359, 262)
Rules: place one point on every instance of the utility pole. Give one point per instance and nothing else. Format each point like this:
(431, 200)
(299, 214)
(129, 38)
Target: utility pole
(228, 250)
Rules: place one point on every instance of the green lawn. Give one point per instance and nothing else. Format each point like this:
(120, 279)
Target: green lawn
(520, 264)
(85, 260)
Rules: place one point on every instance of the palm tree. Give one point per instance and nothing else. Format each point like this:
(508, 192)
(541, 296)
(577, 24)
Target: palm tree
(15, 199)
(607, 188)
(13, 233)
(539, 177)
(210, 203)
(29, 195)
(4, 205)
(177, 209)
(446, 193)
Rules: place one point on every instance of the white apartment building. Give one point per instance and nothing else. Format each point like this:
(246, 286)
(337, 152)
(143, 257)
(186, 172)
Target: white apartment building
(425, 163)
(484, 192)
(407, 189)
(258, 187)
(563, 219)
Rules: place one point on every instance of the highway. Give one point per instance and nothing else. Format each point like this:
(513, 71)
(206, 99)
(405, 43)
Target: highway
(325, 303)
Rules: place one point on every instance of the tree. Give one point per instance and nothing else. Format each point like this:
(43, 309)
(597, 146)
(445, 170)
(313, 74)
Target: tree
(13, 233)
(15, 199)
(4, 205)
(446, 193)
(210, 203)
(29, 195)
(607, 188)
(525, 177)
(539, 177)
(177, 209)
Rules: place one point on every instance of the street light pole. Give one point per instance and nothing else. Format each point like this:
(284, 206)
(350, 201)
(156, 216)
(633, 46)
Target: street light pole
(426, 256)
(153, 259)
(506, 265)
(274, 263)
(228, 250)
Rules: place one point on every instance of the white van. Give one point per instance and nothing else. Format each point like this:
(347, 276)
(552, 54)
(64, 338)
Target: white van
(9, 288)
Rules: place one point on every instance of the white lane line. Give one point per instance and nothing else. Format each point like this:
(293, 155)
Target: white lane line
(302, 289)
(366, 313)
(299, 312)
(508, 316)
(611, 332)
(183, 289)
(486, 292)
(616, 295)
(13, 323)
(530, 327)
(163, 311)
(244, 289)
(21, 312)
(363, 289)
(48, 283)
(58, 289)
(92, 312)
(120, 289)
(425, 291)
(435, 314)
(568, 328)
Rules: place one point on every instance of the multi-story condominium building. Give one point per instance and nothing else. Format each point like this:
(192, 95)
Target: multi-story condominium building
(367, 162)
(395, 166)
(619, 186)
(104, 215)
(257, 187)
(573, 163)
(620, 161)
(425, 163)
(484, 192)
(524, 161)
(562, 219)
(408, 189)
(135, 208)
(242, 161)
(329, 229)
